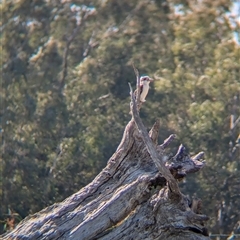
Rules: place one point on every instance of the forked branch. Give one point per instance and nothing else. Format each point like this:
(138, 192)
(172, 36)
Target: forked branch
(172, 183)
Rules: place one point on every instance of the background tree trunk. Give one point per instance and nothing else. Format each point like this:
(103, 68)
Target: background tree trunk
(136, 196)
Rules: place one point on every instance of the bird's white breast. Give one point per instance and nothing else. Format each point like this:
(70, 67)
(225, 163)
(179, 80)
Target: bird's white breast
(144, 92)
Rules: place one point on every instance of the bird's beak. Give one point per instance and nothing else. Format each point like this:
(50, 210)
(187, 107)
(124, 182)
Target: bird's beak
(150, 80)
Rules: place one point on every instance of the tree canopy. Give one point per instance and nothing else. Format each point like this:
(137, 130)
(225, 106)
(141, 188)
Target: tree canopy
(65, 98)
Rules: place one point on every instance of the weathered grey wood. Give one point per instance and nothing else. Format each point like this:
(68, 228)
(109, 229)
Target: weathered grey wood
(136, 196)
(129, 199)
(157, 158)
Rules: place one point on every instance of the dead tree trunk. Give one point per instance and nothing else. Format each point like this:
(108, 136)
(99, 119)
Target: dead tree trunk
(136, 196)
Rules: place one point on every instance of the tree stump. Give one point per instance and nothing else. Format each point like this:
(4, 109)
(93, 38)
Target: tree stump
(136, 196)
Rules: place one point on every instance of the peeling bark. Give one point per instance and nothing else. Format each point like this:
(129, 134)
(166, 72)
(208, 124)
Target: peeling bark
(136, 196)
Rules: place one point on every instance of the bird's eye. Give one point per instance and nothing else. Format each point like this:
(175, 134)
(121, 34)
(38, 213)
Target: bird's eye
(144, 79)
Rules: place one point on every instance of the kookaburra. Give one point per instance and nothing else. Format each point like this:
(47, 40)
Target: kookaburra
(144, 87)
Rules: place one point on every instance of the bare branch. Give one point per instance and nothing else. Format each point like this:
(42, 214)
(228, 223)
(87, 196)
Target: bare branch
(172, 183)
(168, 141)
(90, 45)
(70, 39)
(199, 156)
(181, 154)
(153, 134)
(182, 164)
(137, 85)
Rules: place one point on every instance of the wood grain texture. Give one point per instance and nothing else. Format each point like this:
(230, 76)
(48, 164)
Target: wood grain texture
(129, 199)
(136, 196)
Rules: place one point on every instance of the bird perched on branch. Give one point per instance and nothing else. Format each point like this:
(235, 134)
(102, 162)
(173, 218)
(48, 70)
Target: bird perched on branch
(144, 87)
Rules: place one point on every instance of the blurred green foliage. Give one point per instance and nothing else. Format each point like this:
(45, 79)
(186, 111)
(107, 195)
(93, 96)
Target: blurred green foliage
(65, 98)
